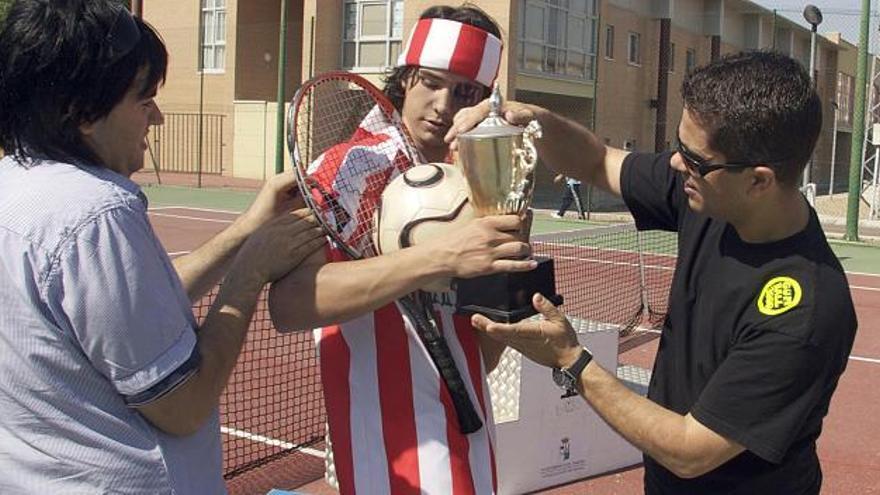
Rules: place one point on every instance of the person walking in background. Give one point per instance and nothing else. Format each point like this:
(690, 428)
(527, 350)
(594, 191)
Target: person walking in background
(572, 195)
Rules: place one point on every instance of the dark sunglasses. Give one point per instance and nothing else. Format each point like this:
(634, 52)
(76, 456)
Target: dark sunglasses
(464, 93)
(701, 166)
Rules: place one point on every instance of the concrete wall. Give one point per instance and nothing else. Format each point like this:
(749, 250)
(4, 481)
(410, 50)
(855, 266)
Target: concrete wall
(257, 49)
(255, 139)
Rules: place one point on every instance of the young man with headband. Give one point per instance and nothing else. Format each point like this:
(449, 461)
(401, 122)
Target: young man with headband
(107, 382)
(392, 424)
(760, 321)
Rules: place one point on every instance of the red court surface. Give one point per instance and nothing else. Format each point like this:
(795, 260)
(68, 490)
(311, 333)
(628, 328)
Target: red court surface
(849, 447)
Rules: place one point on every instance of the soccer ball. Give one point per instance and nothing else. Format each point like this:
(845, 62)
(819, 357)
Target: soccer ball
(425, 202)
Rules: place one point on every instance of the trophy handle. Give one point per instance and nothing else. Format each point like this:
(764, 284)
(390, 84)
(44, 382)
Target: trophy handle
(524, 180)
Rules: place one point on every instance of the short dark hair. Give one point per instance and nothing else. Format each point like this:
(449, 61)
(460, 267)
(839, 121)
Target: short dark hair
(757, 106)
(62, 65)
(467, 13)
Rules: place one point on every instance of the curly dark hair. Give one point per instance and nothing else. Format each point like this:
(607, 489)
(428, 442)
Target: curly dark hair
(397, 78)
(758, 107)
(61, 67)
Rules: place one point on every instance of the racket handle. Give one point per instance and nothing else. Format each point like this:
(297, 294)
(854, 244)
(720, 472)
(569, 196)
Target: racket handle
(468, 419)
(418, 308)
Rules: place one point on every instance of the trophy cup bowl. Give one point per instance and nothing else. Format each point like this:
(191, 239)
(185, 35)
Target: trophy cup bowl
(498, 160)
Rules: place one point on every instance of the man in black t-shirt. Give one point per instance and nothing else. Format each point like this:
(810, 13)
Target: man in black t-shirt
(760, 320)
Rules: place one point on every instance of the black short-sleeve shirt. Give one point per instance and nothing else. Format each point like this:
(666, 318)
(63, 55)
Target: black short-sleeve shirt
(754, 341)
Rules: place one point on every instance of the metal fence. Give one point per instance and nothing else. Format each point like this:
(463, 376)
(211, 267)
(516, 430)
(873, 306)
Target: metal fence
(188, 143)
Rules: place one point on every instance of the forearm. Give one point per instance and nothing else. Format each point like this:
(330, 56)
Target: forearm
(568, 147)
(185, 410)
(664, 435)
(200, 270)
(337, 292)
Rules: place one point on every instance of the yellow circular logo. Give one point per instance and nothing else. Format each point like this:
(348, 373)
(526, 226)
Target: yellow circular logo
(779, 295)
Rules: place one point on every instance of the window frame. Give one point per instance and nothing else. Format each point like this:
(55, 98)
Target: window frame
(690, 60)
(554, 42)
(210, 7)
(609, 42)
(391, 38)
(633, 35)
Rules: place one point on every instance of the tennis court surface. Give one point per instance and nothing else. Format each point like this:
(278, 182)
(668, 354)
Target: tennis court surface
(273, 416)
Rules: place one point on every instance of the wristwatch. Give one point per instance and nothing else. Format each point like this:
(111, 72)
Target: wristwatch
(567, 378)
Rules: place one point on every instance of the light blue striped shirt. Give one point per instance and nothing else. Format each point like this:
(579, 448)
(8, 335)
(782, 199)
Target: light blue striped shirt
(94, 320)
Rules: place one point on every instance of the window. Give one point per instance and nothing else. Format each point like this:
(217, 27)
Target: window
(372, 34)
(609, 42)
(845, 99)
(690, 60)
(558, 37)
(213, 33)
(635, 48)
(672, 57)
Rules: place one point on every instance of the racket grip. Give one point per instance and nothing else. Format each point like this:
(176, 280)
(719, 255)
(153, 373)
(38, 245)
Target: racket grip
(468, 419)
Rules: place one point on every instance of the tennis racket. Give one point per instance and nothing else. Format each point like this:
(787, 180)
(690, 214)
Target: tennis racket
(347, 142)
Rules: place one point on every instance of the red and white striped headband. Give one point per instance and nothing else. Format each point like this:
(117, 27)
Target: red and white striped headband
(460, 48)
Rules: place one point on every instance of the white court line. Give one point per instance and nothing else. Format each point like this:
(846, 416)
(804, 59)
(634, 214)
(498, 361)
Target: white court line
(185, 217)
(271, 441)
(863, 274)
(178, 253)
(209, 210)
(865, 360)
(859, 287)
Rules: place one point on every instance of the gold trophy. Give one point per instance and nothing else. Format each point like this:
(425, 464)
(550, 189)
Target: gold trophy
(498, 160)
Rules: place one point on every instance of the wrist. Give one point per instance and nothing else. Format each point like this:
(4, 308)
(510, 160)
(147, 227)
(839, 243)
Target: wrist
(568, 378)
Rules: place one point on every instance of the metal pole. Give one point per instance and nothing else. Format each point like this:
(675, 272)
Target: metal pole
(809, 167)
(201, 97)
(137, 8)
(855, 158)
(282, 70)
(835, 111)
(874, 183)
(662, 85)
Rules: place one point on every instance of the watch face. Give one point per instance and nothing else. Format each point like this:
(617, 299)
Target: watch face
(559, 377)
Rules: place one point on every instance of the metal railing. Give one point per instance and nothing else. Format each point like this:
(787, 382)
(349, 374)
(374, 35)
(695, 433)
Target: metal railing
(183, 144)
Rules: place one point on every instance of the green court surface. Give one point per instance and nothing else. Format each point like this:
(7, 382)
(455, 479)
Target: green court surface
(214, 199)
(855, 257)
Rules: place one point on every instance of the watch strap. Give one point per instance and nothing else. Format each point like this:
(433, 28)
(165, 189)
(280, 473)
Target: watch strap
(573, 372)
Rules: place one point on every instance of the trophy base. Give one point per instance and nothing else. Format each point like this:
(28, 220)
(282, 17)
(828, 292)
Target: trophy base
(507, 297)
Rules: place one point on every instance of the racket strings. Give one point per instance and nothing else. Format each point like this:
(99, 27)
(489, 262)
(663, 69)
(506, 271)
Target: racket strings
(352, 145)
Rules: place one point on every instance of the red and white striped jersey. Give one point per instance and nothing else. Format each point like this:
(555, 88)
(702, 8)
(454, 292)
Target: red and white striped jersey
(392, 423)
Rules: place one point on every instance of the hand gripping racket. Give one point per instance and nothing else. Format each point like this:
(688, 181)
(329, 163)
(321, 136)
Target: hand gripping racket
(347, 143)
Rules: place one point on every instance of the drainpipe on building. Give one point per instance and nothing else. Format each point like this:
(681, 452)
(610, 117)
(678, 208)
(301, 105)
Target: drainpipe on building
(662, 85)
(716, 47)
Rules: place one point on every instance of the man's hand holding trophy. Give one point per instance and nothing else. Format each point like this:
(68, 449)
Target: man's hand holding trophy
(498, 160)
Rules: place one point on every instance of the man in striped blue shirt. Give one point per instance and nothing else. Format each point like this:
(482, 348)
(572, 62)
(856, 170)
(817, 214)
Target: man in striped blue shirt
(107, 383)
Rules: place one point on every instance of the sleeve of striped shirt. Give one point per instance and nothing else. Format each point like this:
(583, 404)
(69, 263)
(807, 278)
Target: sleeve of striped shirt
(114, 290)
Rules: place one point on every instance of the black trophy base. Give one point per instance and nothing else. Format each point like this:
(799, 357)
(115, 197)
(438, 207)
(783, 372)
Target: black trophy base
(507, 297)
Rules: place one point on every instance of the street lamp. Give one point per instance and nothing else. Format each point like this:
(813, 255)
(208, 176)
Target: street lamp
(813, 15)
